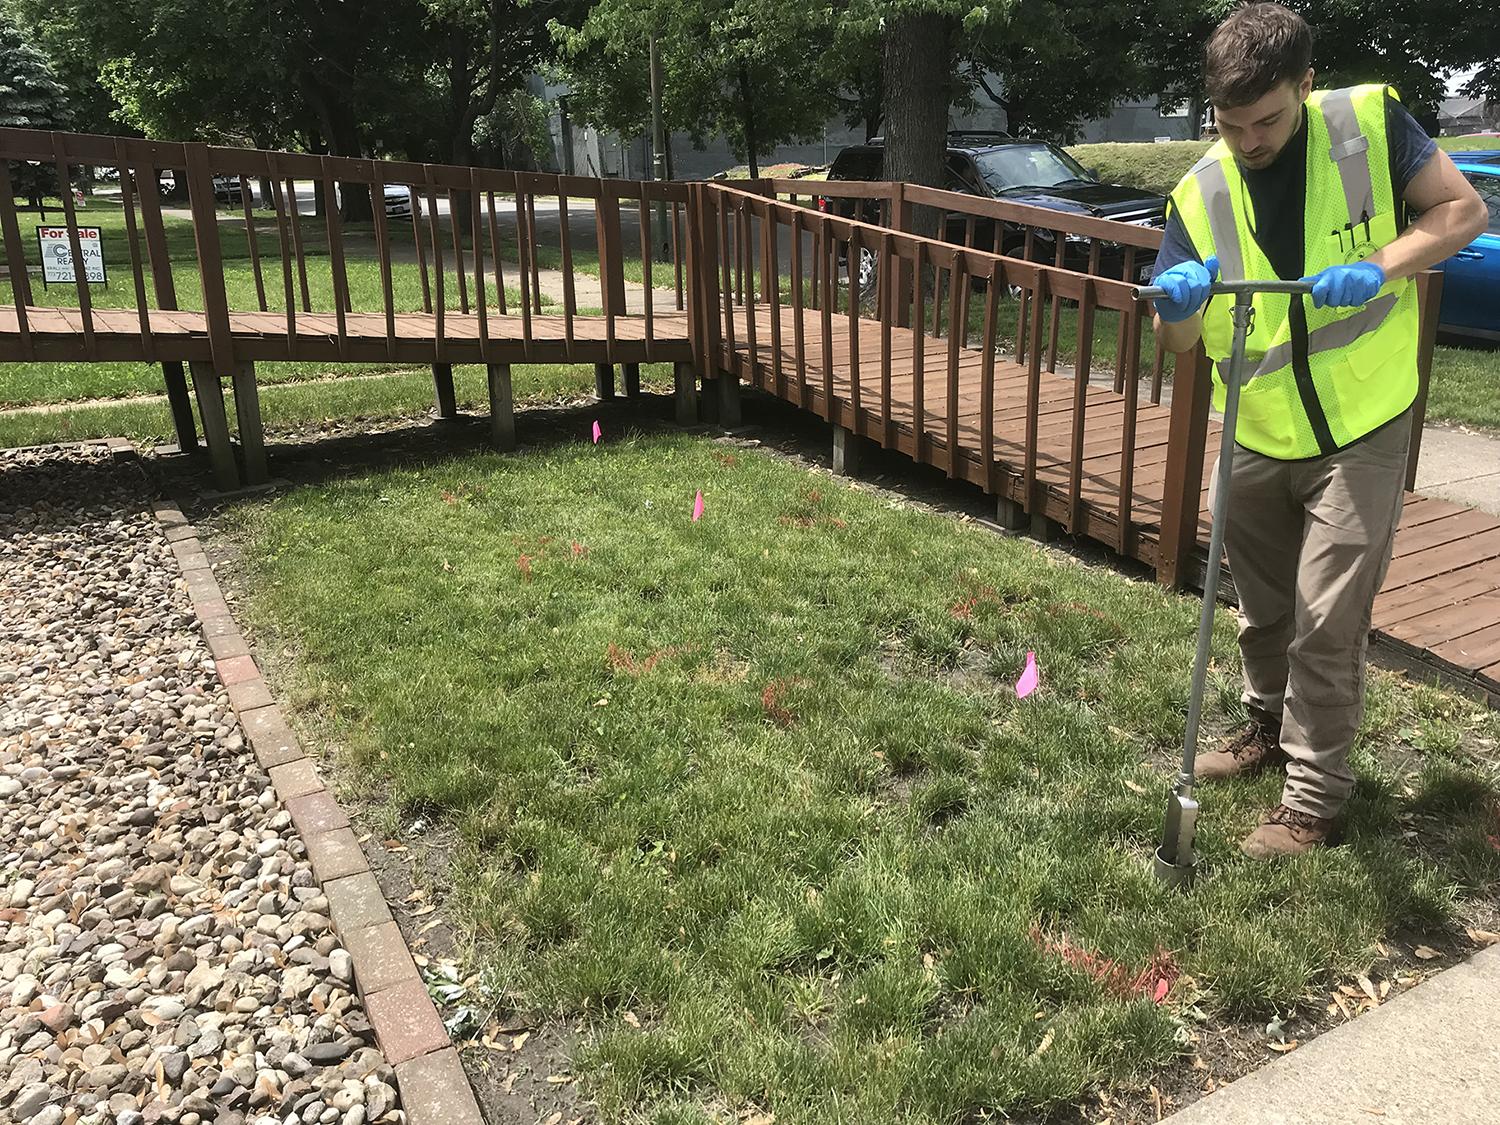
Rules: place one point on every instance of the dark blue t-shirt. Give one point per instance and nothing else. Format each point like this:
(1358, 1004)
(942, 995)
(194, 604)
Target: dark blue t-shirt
(1279, 190)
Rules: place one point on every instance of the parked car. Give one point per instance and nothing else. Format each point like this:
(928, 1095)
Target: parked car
(227, 189)
(397, 200)
(1471, 278)
(995, 165)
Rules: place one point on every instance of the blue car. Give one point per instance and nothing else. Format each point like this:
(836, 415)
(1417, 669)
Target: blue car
(1471, 278)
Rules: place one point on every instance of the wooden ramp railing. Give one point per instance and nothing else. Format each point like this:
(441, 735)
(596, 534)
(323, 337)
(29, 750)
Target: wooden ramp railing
(433, 264)
(1010, 354)
(952, 355)
(1008, 351)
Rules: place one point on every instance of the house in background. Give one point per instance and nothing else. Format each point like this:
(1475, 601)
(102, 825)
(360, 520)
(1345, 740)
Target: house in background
(1468, 115)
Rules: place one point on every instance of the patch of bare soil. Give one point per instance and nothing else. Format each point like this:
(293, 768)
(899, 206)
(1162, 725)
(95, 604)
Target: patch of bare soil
(517, 1063)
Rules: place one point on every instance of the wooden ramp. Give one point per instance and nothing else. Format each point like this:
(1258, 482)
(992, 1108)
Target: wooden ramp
(1441, 599)
(183, 336)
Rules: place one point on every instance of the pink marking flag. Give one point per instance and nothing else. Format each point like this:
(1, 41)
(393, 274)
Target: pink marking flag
(598, 433)
(1029, 677)
(698, 507)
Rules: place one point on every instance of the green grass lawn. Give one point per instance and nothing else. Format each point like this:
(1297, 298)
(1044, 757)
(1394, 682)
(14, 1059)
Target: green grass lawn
(293, 404)
(751, 798)
(1465, 386)
(1158, 167)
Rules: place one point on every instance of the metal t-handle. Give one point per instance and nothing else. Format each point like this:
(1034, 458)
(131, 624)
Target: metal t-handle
(1229, 288)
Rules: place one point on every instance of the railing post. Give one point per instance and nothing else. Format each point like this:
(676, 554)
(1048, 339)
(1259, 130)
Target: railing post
(1187, 444)
(703, 281)
(210, 259)
(900, 211)
(1429, 300)
(767, 233)
(611, 254)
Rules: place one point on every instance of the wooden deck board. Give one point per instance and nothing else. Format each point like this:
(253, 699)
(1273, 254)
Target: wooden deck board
(183, 334)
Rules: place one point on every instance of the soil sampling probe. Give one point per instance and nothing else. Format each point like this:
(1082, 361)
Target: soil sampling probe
(1175, 859)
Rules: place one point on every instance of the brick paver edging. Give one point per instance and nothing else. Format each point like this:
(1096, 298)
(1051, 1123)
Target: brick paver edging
(433, 1087)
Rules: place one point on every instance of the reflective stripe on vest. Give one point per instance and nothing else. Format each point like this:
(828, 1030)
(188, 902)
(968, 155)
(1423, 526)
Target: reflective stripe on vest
(1330, 337)
(1347, 148)
(1320, 378)
(1221, 221)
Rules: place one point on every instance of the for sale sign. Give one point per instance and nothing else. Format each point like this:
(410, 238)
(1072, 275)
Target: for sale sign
(57, 254)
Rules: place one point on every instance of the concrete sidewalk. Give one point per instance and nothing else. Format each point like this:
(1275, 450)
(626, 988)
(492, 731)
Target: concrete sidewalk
(1463, 466)
(1431, 1055)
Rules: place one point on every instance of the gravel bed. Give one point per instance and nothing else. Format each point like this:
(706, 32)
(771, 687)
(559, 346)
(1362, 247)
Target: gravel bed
(165, 953)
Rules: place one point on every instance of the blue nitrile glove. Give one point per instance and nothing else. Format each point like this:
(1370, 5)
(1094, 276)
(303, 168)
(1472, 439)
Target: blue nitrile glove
(1187, 287)
(1346, 286)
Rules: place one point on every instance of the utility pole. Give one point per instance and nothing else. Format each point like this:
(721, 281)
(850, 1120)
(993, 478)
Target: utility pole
(658, 151)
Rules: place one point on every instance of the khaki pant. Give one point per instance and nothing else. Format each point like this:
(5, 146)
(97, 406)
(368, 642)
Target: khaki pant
(1309, 543)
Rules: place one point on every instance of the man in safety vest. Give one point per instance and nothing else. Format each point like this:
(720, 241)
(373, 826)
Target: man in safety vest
(1342, 188)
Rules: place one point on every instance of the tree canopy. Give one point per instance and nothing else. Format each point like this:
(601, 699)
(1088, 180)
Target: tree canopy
(447, 79)
(745, 70)
(31, 97)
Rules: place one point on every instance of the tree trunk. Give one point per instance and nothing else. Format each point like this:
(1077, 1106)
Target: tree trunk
(462, 211)
(747, 109)
(917, 61)
(1195, 118)
(1015, 117)
(354, 198)
(337, 120)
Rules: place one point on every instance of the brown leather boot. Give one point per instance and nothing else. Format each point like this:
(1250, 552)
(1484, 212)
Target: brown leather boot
(1242, 754)
(1286, 832)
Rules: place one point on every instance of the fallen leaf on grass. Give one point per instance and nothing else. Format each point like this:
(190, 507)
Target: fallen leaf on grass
(632, 1019)
(1283, 1048)
(1482, 937)
(1426, 953)
(1135, 788)
(1041, 1048)
(1343, 1006)
(520, 1041)
(555, 1117)
(510, 1083)
(423, 912)
(558, 1080)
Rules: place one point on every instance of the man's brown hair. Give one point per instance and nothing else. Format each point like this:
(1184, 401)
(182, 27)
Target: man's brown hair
(1255, 49)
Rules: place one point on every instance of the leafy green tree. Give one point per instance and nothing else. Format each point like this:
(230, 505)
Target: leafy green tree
(1061, 63)
(30, 98)
(90, 108)
(746, 70)
(480, 52)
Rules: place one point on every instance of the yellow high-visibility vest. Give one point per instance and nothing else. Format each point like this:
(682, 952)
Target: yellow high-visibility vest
(1317, 379)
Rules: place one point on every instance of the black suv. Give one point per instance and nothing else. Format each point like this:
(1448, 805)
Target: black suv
(1037, 173)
